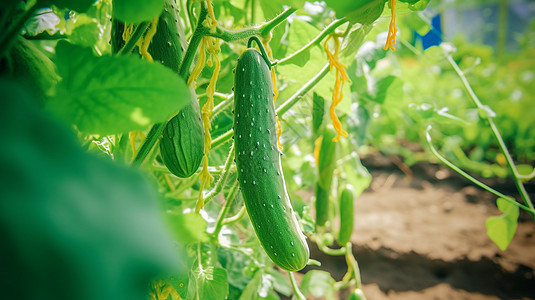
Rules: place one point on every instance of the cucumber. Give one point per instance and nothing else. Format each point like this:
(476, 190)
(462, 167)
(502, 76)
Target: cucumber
(326, 166)
(259, 168)
(346, 216)
(26, 62)
(182, 141)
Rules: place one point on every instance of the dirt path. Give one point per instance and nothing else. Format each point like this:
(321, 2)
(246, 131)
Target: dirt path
(425, 238)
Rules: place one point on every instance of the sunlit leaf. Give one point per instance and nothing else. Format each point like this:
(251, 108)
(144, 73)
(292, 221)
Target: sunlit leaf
(113, 94)
(135, 11)
(501, 229)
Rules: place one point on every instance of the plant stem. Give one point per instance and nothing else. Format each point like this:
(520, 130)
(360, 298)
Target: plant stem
(497, 135)
(222, 179)
(198, 34)
(295, 288)
(220, 219)
(9, 38)
(140, 29)
(236, 217)
(472, 179)
(148, 144)
(329, 29)
(301, 92)
(220, 140)
(260, 30)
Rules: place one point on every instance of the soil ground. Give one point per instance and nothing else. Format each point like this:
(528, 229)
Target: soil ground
(424, 237)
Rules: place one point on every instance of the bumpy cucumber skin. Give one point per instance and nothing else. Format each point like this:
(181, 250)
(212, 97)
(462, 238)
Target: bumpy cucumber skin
(326, 165)
(346, 216)
(259, 167)
(169, 43)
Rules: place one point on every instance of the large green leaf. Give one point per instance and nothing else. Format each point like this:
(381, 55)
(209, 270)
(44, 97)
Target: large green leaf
(135, 11)
(114, 94)
(213, 284)
(501, 229)
(73, 225)
(358, 11)
(77, 5)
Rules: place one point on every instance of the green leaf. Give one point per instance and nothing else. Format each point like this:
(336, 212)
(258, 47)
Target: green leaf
(501, 229)
(300, 33)
(73, 224)
(85, 34)
(213, 284)
(77, 5)
(319, 284)
(135, 11)
(380, 89)
(113, 94)
(417, 4)
(188, 228)
(358, 11)
(180, 281)
(260, 287)
(280, 283)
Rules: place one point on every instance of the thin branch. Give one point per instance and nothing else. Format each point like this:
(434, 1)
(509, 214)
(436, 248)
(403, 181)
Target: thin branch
(472, 179)
(497, 135)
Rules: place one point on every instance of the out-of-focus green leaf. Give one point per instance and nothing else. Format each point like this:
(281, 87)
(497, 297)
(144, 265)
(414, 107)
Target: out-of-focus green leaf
(135, 11)
(73, 224)
(260, 287)
(319, 284)
(501, 229)
(353, 42)
(213, 283)
(188, 228)
(85, 34)
(280, 283)
(113, 94)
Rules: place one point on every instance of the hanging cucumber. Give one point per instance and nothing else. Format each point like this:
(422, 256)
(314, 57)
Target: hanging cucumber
(182, 141)
(258, 163)
(346, 216)
(326, 166)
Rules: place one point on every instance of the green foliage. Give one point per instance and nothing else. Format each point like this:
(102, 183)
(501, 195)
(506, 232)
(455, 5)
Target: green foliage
(137, 11)
(72, 223)
(113, 94)
(318, 284)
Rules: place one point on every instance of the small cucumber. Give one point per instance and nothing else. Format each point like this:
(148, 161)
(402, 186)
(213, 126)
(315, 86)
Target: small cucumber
(326, 166)
(182, 141)
(259, 167)
(346, 216)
